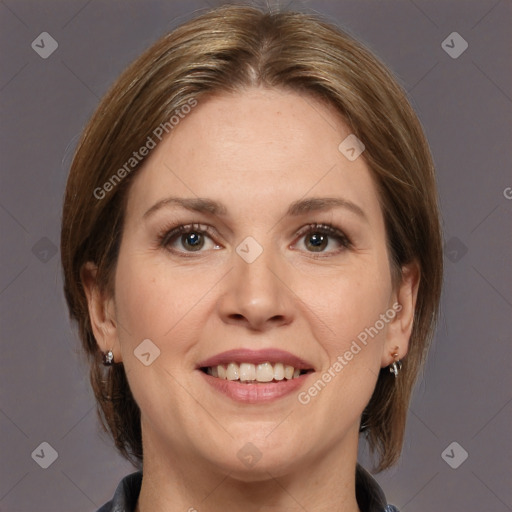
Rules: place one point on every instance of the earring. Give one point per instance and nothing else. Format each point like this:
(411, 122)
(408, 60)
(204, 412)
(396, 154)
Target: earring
(108, 358)
(396, 365)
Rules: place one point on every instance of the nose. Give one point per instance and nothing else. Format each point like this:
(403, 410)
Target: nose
(255, 295)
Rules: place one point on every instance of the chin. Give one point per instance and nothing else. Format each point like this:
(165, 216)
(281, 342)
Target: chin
(257, 458)
(257, 470)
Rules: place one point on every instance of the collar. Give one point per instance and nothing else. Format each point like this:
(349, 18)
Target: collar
(369, 495)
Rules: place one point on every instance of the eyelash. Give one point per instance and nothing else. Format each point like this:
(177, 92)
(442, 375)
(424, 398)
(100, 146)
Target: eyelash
(169, 234)
(331, 231)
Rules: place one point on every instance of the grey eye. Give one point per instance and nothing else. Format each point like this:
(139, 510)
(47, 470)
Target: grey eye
(192, 241)
(316, 242)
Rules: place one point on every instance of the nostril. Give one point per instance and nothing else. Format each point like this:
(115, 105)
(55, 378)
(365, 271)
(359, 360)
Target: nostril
(277, 319)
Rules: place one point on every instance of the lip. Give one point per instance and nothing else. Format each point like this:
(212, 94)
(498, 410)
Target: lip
(241, 355)
(262, 392)
(255, 393)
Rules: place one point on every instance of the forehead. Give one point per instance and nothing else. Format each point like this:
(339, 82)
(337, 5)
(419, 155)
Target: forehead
(255, 147)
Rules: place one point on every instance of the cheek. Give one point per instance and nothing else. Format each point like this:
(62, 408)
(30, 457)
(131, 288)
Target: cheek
(350, 309)
(170, 306)
(155, 302)
(351, 334)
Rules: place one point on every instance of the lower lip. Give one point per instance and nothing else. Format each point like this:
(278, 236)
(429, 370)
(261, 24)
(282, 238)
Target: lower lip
(255, 393)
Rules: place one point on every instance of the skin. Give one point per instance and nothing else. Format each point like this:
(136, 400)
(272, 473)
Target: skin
(256, 152)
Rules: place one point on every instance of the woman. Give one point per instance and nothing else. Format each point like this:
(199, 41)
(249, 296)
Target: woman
(251, 249)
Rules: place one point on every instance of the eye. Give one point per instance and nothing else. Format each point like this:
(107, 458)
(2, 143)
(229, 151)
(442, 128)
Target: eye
(319, 238)
(188, 238)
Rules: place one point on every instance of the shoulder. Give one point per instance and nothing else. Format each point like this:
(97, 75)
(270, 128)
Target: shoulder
(126, 495)
(370, 497)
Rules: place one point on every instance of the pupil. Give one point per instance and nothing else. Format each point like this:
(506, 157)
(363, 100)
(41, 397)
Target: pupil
(317, 241)
(193, 241)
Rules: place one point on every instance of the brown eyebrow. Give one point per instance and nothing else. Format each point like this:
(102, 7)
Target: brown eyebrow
(315, 204)
(198, 204)
(300, 207)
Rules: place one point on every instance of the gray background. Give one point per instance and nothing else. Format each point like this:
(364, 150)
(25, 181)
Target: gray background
(465, 105)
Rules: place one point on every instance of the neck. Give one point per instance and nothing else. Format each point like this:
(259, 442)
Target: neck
(322, 483)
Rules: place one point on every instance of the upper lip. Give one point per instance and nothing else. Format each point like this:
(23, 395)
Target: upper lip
(242, 355)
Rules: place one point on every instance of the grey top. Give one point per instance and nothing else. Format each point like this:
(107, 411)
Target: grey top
(369, 495)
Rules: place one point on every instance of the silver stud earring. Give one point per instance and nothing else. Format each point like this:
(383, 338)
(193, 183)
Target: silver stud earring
(396, 365)
(108, 358)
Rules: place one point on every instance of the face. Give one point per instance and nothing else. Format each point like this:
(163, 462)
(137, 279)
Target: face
(251, 243)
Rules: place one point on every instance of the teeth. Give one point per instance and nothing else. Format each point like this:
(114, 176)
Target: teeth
(278, 371)
(288, 372)
(264, 372)
(248, 372)
(232, 371)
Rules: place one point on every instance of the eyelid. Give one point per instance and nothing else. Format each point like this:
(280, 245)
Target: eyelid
(167, 234)
(329, 230)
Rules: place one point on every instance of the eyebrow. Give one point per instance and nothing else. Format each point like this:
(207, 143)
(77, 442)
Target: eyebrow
(300, 207)
(195, 204)
(315, 204)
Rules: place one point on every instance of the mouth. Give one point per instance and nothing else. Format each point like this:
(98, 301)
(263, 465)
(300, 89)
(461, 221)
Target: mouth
(250, 373)
(255, 376)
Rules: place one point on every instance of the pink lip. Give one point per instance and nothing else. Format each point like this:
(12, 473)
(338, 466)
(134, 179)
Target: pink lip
(242, 355)
(260, 392)
(255, 393)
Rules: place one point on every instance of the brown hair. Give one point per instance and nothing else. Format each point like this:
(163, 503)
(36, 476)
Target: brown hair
(229, 49)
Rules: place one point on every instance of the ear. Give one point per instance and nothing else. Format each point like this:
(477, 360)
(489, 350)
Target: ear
(101, 312)
(404, 304)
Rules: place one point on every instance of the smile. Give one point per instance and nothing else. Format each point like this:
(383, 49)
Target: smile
(255, 376)
(252, 373)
